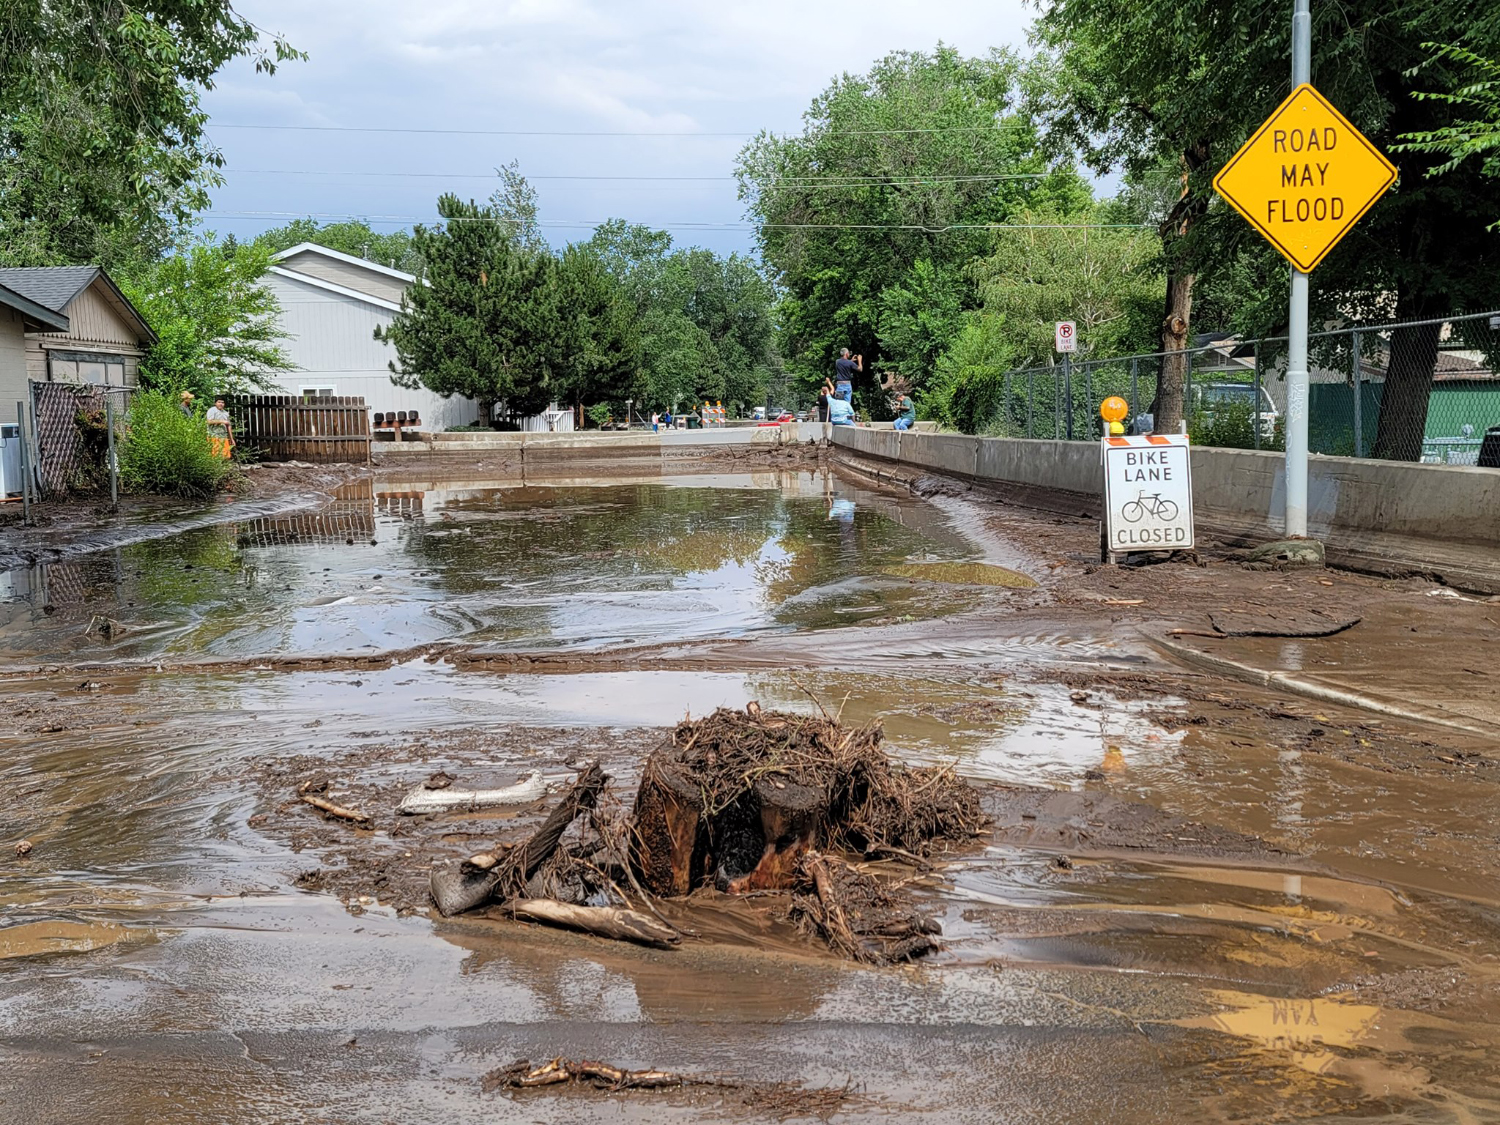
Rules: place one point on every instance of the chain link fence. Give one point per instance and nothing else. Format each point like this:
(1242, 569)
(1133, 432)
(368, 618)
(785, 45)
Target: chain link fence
(69, 435)
(1424, 390)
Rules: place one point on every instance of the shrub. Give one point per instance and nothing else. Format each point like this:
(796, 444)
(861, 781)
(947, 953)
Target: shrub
(1231, 425)
(167, 451)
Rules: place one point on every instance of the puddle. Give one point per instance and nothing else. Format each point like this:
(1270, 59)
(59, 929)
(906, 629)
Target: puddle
(34, 939)
(964, 574)
(523, 566)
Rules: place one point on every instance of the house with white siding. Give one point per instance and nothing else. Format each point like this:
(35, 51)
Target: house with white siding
(331, 304)
(66, 324)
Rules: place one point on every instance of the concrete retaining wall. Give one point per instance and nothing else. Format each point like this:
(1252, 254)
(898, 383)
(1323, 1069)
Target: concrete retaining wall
(1382, 515)
(589, 445)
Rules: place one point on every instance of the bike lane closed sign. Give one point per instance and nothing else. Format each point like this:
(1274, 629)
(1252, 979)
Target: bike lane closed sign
(1148, 493)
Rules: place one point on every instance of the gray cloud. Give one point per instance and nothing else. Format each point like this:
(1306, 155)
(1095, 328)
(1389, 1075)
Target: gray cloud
(568, 65)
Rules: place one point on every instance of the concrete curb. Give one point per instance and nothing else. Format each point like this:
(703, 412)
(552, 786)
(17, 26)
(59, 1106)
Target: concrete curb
(1249, 674)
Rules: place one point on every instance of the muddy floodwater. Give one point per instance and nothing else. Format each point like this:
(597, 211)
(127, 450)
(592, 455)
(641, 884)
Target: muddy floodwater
(1201, 900)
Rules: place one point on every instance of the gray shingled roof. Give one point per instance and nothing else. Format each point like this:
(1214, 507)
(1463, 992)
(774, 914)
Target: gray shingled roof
(52, 287)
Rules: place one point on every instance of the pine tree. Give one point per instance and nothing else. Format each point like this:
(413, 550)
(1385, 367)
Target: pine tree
(486, 321)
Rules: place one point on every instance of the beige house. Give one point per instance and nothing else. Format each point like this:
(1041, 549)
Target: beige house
(66, 324)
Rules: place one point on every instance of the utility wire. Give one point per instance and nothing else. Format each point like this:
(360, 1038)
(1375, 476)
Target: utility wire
(819, 181)
(406, 220)
(595, 133)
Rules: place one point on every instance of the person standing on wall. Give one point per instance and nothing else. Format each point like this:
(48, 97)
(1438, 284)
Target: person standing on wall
(825, 392)
(845, 368)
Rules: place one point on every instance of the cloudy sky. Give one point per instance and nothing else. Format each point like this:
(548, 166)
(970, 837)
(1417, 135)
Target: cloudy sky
(540, 66)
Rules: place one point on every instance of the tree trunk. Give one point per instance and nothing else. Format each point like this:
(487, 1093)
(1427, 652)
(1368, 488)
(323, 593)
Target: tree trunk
(666, 847)
(1168, 405)
(1407, 391)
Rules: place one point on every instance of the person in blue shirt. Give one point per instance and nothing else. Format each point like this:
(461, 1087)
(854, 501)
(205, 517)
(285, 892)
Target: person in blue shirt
(845, 369)
(840, 411)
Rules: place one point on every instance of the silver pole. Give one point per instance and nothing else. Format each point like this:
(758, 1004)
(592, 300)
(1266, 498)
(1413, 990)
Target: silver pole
(1296, 365)
(1359, 428)
(25, 466)
(114, 471)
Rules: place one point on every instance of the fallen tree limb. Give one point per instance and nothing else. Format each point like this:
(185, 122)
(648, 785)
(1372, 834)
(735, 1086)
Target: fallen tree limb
(457, 890)
(521, 1075)
(604, 921)
(335, 810)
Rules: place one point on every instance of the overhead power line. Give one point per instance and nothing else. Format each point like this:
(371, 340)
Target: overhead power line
(407, 220)
(819, 181)
(594, 132)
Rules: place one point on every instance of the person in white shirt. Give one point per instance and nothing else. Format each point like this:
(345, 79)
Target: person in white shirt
(220, 430)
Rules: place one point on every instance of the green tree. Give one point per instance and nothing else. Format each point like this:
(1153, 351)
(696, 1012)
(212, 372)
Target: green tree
(103, 156)
(601, 342)
(905, 164)
(1141, 85)
(968, 385)
(1052, 267)
(1474, 134)
(217, 325)
(918, 318)
(1046, 267)
(487, 324)
(354, 237)
(705, 322)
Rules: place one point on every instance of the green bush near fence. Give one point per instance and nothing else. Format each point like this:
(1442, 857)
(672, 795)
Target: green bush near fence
(167, 451)
(1231, 425)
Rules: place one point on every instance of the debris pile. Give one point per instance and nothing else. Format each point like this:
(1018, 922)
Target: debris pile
(737, 798)
(738, 802)
(858, 915)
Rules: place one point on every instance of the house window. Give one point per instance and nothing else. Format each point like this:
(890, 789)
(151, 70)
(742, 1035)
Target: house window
(316, 392)
(83, 367)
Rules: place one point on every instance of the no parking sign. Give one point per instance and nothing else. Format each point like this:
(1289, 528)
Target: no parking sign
(1066, 336)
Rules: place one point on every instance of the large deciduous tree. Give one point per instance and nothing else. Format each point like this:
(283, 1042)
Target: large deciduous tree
(103, 155)
(1047, 267)
(217, 325)
(1188, 82)
(882, 199)
(705, 322)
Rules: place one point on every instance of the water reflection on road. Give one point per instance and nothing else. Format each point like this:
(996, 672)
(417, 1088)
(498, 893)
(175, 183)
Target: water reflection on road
(517, 565)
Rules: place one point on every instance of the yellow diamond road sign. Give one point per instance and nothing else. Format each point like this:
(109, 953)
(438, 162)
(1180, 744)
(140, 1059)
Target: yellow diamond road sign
(1305, 177)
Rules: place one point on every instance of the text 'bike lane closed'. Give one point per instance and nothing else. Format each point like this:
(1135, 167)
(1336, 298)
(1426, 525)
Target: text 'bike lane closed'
(1148, 493)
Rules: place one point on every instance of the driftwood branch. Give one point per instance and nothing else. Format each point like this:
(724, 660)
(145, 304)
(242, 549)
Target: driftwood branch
(521, 1075)
(335, 810)
(455, 891)
(605, 921)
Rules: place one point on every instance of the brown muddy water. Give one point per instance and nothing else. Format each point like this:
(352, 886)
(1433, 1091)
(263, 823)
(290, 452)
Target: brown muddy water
(1175, 919)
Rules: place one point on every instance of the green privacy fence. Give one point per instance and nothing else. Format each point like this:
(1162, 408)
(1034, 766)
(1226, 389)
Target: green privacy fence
(1444, 375)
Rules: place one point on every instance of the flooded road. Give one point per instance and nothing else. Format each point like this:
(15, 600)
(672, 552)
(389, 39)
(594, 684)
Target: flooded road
(521, 566)
(1189, 909)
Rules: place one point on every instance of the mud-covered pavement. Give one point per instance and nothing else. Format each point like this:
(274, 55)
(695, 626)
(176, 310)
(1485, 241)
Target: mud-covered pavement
(1205, 897)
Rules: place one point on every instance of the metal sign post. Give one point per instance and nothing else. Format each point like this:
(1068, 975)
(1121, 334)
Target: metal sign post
(1065, 340)
(1303, 180)
(1296, 360)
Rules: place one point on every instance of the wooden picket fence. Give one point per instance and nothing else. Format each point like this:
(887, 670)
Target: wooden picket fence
(291, 428)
